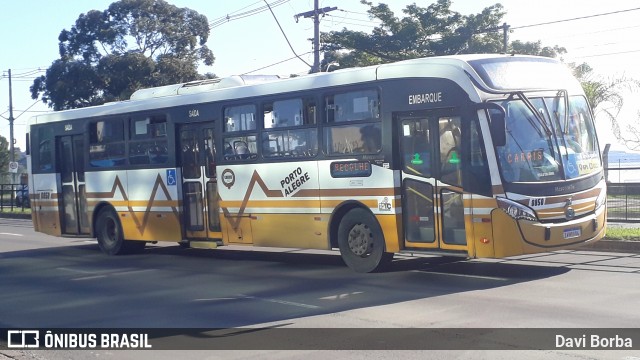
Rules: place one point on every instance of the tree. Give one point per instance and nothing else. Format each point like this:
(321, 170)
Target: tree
(5, 158)
(431, 31)
(606, 96)
(536, 48)
(109, 54)
(4, 154)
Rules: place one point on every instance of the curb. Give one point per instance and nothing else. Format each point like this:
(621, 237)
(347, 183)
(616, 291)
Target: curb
(624, 246)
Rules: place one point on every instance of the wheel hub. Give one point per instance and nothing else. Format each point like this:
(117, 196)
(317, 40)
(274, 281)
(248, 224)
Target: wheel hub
(361, 240)
(110, 231)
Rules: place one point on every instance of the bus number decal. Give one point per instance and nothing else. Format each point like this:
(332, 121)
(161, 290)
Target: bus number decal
(194, 113)
(292, 183)
(536, 202)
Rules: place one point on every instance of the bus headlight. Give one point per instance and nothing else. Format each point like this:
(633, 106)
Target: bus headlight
(516, 210)
(601, 200)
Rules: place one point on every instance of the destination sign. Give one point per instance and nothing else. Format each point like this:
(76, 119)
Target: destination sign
(345, 169)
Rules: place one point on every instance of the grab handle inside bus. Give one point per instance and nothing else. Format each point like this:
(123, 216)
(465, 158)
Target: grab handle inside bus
(497, 122)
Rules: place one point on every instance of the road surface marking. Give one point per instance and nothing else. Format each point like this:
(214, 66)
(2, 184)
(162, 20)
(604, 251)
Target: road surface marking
(11, 234)
(462, 275)
(283, 302)
(89, 277)
(341, 296)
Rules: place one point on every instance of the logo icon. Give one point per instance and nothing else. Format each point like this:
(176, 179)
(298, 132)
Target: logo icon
(23, 339)
(384, 205)
(228, 178)
(569, 213)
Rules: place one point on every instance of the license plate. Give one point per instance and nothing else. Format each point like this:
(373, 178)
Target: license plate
(572, 233)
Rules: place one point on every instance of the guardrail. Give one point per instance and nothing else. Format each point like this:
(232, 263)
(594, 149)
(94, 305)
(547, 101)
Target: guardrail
(623, 202)
(14, 197)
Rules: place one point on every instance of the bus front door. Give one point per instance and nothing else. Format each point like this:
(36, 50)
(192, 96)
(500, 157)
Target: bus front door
(433, 206)
(73, 204)
(199, 184)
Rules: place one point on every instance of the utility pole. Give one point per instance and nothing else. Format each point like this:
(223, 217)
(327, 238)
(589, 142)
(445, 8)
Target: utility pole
(12, 154)
(315, 14)
(505, 35)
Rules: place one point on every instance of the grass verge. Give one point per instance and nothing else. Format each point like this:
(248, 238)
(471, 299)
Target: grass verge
(621, 233)
(16, 210)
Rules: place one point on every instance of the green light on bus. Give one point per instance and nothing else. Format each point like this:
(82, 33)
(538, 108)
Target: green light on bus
(416, 159)
(454, 158)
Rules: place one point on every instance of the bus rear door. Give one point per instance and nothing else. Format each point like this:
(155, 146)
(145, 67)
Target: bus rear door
(433, 207)
(73, 203)
(199, 184)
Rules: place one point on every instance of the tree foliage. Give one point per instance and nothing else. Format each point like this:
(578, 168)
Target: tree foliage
(4, 154)
(606, 97)
(536, 48)
(423, 31)
(109, 54)
(5, 158)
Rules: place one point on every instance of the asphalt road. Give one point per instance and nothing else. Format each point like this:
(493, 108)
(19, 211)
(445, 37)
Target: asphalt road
(48, 282)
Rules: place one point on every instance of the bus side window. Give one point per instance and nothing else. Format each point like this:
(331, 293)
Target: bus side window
(106, 143)
(45, 149)
(288, 132)
(240, 148)
(450, 146)
(478, 180)
(353, 123)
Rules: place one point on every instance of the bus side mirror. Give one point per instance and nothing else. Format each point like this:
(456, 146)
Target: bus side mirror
(497, 122)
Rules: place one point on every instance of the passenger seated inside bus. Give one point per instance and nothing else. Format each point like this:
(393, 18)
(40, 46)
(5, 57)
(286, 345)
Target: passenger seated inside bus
(371, 139)
(241, 149)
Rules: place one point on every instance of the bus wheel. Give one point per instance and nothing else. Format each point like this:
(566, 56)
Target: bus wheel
(110, 235)
(361, 242)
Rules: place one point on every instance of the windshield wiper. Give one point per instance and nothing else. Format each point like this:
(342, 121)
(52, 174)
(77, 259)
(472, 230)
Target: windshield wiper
(535, 112)
(540, 119)
(565, 97)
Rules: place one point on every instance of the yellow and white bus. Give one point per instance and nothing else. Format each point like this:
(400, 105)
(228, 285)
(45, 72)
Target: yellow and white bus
(478, 156)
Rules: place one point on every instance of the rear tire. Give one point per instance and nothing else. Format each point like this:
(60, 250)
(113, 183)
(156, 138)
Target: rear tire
(111, 237)
(361, 242)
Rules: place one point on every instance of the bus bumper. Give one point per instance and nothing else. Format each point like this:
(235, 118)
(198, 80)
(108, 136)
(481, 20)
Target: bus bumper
(527, 237)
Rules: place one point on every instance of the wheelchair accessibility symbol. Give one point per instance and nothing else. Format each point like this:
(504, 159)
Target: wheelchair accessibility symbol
(571, 167)
(171, 177)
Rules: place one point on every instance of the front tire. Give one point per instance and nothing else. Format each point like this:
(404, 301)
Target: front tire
(361, 242)
(111, 237)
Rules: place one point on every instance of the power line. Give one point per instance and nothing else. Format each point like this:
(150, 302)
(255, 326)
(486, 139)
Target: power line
(274, 64)
(354, 12)
(285, 35)
(236, 15)
(572, 19)
(590, 32)
(315, 15)
(608, 54)
(341, 22)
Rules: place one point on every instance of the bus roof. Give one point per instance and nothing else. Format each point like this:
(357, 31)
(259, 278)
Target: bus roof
(456, 68)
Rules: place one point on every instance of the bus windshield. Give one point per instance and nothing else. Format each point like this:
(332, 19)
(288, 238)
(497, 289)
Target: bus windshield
(554, 144)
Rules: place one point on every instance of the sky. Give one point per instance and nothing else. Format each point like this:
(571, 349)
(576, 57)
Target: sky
(30, 29)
